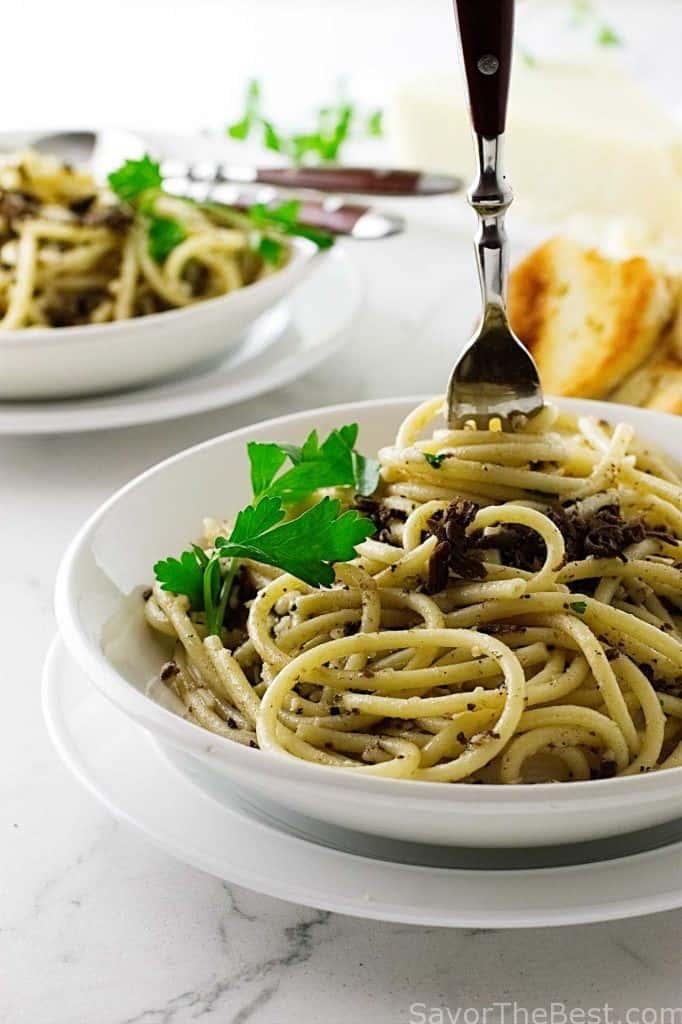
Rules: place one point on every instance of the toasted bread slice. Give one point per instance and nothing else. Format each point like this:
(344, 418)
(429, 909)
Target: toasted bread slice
(674, 332)
(588, 320)
(657, 384)
(667, 395)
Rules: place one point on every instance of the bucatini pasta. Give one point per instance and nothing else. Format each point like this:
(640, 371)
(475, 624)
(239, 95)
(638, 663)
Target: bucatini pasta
(515, 618)
(71, 253)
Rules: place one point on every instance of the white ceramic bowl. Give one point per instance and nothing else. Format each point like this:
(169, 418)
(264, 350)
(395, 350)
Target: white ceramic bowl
(62, 362)
(99, 610)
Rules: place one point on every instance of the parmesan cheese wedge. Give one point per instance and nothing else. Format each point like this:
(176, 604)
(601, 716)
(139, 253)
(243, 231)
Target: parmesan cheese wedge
(586, 144)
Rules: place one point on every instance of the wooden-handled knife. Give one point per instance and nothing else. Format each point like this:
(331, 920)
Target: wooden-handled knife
(366, 180)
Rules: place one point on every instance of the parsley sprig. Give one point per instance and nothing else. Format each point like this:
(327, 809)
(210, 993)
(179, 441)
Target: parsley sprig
(332, 463)
(163, 234)
(140, 183)
(284, 218)
(306, 546)
(322, 143)
(584, 16)
(134, 177)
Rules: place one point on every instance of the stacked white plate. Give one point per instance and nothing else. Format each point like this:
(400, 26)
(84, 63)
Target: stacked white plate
(283, 344)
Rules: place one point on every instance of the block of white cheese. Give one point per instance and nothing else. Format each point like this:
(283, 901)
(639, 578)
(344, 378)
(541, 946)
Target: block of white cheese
(585, 145)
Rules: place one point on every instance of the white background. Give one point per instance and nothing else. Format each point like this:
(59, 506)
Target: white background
(181, 64)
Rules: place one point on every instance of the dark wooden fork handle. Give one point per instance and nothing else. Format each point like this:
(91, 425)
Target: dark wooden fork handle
(486, 28)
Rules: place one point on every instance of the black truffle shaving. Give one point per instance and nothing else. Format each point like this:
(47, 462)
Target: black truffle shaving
(381, 516)
(605, 534)
(453, 552)
(16, 205)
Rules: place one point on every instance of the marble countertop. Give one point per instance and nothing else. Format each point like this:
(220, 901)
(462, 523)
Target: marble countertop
(99, 927)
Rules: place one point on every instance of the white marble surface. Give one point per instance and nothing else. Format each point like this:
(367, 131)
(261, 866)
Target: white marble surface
(99, 927)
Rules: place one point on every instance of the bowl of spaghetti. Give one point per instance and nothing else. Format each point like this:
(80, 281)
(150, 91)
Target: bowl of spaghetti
(471, 639)
(109, 288)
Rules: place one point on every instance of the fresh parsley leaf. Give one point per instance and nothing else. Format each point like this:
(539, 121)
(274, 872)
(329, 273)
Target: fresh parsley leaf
(365, 474)
(585, 15)
(349, 434)
(270, 250)
(322, 239)
(321, 143)
(256, 519)
(607, 36)
(184, 575)
(284, 219)
(266, 460)
(201, 556)
(581, 10)
(375, 124)
(303, 145)
(271, 138)
(435, 461)
(286, 213)
(163, 234)
(334, 463)
(135, 177)
(579, 606)
(333, 128)
(241, 129)
(253, 98)
(306, 546)
(202, 580)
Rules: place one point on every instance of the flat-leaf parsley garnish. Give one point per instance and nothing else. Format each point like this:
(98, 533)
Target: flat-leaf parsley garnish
(139, 183)
(285, 219)
(134, 177)
(332, 463)
(322, 142)
(184, 575)
(163, 235)
(306, 547)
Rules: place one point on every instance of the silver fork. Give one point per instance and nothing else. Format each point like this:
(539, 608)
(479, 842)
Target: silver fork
(495, 377)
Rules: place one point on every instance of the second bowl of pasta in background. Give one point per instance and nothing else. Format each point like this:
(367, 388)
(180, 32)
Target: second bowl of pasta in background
(102, 619)
(64, 362)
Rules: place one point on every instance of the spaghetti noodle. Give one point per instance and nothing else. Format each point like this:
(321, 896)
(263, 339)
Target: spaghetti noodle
(516, 618)
(71, 254)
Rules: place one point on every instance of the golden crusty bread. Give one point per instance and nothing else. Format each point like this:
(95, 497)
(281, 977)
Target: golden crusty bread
(667, 395)
(674, 332)
(589, 321)
(657, 384)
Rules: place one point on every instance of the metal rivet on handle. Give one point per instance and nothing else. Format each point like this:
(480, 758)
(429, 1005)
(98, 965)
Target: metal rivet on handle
(488, 64)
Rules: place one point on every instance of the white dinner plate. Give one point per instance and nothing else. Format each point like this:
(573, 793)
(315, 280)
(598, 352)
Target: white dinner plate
(282, 345)
(338, 870)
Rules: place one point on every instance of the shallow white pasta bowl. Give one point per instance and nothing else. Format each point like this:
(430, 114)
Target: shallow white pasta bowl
(62, 362)
(100, 614)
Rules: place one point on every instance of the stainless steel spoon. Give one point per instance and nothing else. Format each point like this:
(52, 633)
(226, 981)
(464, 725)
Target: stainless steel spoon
(495, 377)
